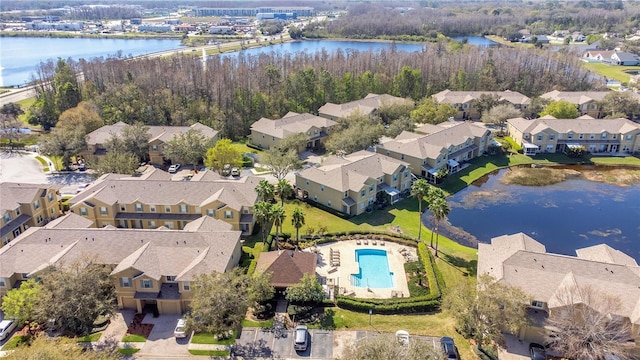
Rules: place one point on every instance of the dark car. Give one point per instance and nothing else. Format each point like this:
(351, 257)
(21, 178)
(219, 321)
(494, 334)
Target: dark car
(537, 352)
(449, 348)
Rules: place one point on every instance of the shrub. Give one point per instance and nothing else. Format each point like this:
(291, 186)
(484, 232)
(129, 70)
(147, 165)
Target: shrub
(422, 304)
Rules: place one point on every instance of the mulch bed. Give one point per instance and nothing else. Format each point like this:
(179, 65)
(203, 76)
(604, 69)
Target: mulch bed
(138, 328)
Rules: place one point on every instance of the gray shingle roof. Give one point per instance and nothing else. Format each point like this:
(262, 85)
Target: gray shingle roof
(163, 133)
(575, 97)
(155, 252)
(586, 126)
(365, 106)
(287, 267)
(292, 123)
(461, 97)
(12, 195)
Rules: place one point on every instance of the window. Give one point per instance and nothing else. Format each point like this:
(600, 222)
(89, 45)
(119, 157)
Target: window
(125, 282)
(370, 188)
(151, 224)
(6, 240)
(629, 137)
(104, 210)
(2, 283)
(152, 208)
(402, 157)
(168, 224)
(549, 147)
(17, 232)
(329, 203)
(604, 135)
(395, 177)
(139, 207)
(25, 275)
(315, 131)
(551, 137)
(540, 137)
(570, 136)
(346, 194)
(228, 214)
(186, 286)
(83, 211)
(154, 147)
(315, 197)
(39, 219)
(183, 208)
(6, 218)
(167, 209)
(406, 173)
(123, 207)
(592, 136)
(321, 187)
(363, 192)
(171, 278)
(307, 182)
(146, 284)
(538, 304)
(36, 204)
(17, 212)
(211, 212)
(50, 197)
(614, 136)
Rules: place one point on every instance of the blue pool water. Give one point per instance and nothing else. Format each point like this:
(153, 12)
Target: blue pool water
(374, 269)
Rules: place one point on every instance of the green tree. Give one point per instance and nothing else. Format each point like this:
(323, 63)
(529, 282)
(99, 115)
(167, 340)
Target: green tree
(354, 133)
(486, 102)
(85, 116)
(220, 301)
(389, 113)
(265, 190)
(440, 209)
(75, 295)
(420, 189)
(66, 88)
(65, 143)
(429, 111)
(408, 83)
(295, 32)
(20, 303)
(307, 291)
(222, 153)
(133, 140)
(297, 220)
(117, 163)
(284, 190)
(621, 103)
(264, 215)
(61, 348)
(433, 194)
(486, 309)
(9, 123)
(189, 147)
(561, 109)
(278, 216)
(404, 123)
(387, 346)
(499, 115)
(283, 158)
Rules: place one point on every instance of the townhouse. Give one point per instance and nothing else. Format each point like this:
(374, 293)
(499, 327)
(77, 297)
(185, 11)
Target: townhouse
(438, 147)
(353, 183)
(148, 267)
(368, 106)
(153, 200)
(26, 205)
(465, 101)
(587, 102)
(266, 133)
(548, 134)
(159, 136)
(519, 260)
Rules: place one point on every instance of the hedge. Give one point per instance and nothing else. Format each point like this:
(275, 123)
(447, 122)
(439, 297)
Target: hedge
(250, 145)
(434, 277)
(390, 306)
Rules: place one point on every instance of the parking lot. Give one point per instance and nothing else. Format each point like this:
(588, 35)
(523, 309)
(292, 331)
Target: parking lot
(255, 342)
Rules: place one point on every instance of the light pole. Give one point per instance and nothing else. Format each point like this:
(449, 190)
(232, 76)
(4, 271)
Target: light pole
(370, 312)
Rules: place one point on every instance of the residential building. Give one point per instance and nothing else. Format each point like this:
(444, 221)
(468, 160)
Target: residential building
(153, 200)
(550, 135)
(597, 55)
(350, 184)
(587, 102)
(159, 136)
(368, 106)
(519, 260)
(266, 133)
(26, 205)
(625, 59)
(438, 147)
(286, 267)
(148, 267)
(465, 101)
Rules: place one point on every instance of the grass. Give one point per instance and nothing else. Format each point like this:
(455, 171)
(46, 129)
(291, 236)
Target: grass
(90, 338)
(260, 324)
(242, 147)
(15, 341)
(221, 353)
(134, 338)
(628, 161)
(42, 161)
(611, 71)
(208, 338)
(128, 351)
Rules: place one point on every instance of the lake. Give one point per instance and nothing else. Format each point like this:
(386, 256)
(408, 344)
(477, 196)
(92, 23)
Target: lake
(20, 55)
(477, 40)
(564, 217)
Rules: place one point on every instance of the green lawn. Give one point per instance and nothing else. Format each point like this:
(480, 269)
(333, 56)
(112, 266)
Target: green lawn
(134, 338)
(629, 160)
(260, 324)
(611, 71)
(207, 338)
(15, 341)
(90, 338)
(216, 353)
(128, 351)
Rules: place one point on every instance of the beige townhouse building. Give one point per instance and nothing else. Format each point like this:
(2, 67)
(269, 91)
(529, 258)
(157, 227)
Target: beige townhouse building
(438, 147)
(550, 135)
(149, 268)
(368, 106)
(153, 200)
(350, 184)
(519, 260)
(26, 205)
(465, 101)
(159, 136)
(266, 133)
(587, 102)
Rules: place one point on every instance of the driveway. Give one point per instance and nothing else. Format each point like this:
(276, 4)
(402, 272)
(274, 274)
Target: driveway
(161, 342)
(256, 342)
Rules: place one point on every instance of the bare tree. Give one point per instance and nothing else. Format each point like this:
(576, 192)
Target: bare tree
(499, 114)
(586, 324)
(386, 346)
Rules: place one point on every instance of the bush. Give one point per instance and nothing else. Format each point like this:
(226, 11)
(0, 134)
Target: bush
(423, 304)
(434, 277)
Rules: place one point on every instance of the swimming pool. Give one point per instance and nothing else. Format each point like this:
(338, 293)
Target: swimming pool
(374, 270)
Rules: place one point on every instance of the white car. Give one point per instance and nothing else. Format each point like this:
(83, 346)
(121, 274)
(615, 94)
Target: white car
(6, 327)
(181, 327)
(403, 337)
(174, 168)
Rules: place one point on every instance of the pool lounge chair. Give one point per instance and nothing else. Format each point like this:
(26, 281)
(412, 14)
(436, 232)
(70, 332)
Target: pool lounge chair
(374, 242)
(358, 242)
(366, 241)
(381, 241)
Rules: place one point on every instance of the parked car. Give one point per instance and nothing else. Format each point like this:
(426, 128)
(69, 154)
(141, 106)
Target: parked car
(235, 172)
(226, 170)
(537, 352)
(449, 348)
(180, 331)
(402, 337)
(174, 168)
(6, 328)
(300, 340)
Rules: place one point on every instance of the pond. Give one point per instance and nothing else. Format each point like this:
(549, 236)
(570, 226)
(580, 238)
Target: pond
(477, 40)
(565, 216)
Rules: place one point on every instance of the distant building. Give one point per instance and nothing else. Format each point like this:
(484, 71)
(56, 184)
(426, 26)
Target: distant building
(368, 106)
(293, 11)
(221, 30)
(135, 21)
(62, 26)
(154, 28)
(266, 133)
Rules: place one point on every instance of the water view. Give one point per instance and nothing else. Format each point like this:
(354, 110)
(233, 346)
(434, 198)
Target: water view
(477, 40)
(20, 55)
(564, 217)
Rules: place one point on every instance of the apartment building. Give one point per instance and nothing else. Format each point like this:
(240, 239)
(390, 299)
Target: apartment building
(26, 205)
(587, 102)
(266, 133)
(368, 106)
(465, 101)
(153, 200)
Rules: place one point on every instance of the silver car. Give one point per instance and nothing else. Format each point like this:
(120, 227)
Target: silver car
(6, 328)
(300, 339)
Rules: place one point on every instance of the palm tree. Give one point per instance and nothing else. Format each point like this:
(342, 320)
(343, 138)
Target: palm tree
(420, 189)
(284, 189)
(434, 193)
(263, 213)
(440, 209)
(278, 219)
(265, 190)
(297, 220)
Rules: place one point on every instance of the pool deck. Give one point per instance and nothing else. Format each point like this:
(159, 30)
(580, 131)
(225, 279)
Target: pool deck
(338, 277)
